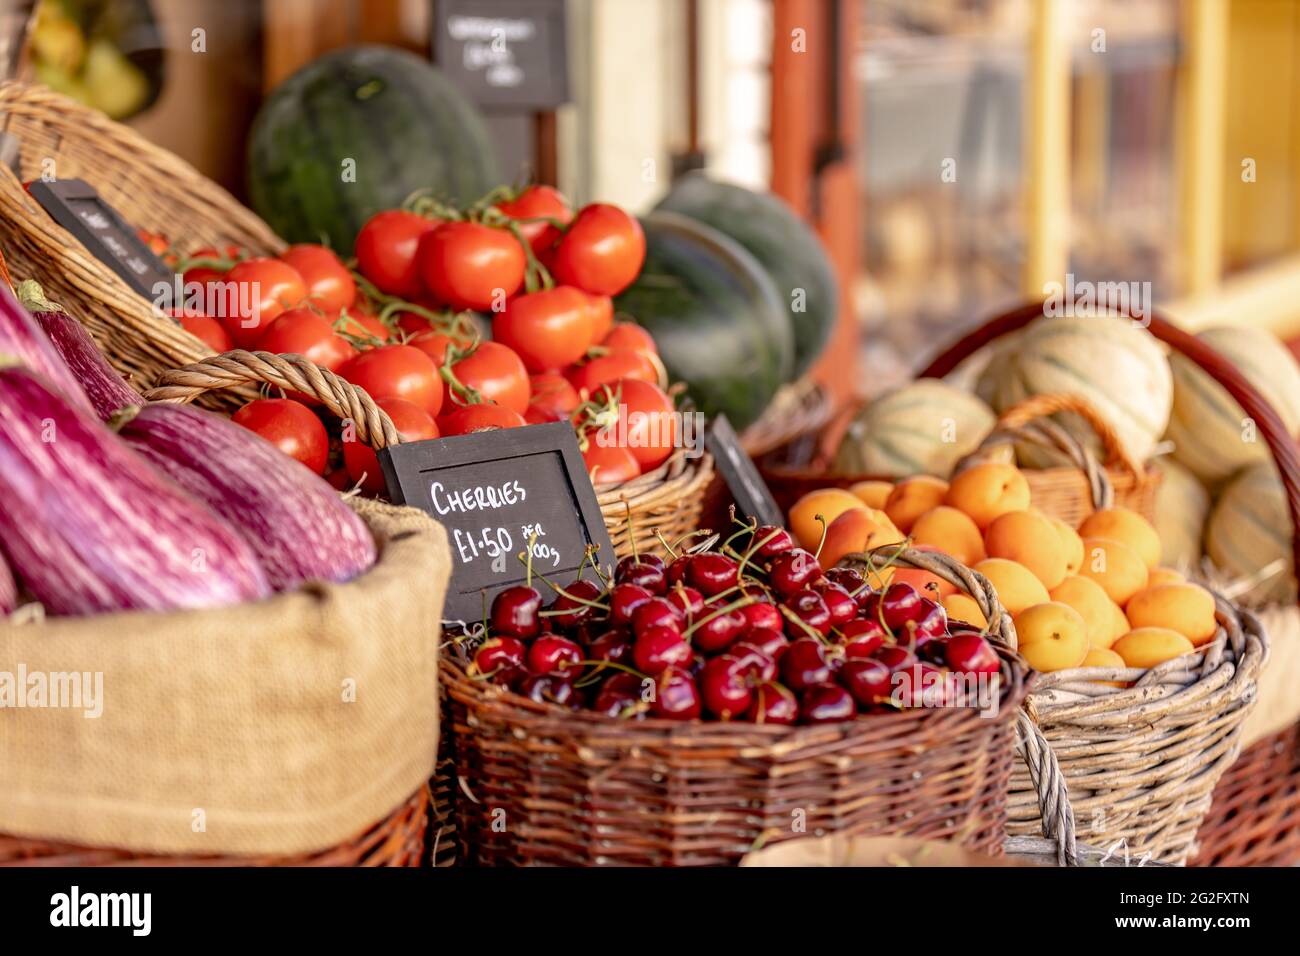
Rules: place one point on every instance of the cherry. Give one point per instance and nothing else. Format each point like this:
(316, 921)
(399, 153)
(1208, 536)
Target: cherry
(900, 604)
(501, 658)
(659, 648)
(862, 637)
(773, 704)
(770, 541)
(762, 615)
(614, 646)
(550, 689)
(768, 640)
(938, 685)
(723, 689)
(839, 603)
(675, 572)
(895, 657)
(869, 681)
(809, 607)
(552, 654)
(711, 573)
(714, 634)
(573, 606)
(696, 665)
(620, 696)
(626, 598)
(793, 570)
(643, 574)
(630, 563)
(827, 704)
(676, 697)
(656, 612)
(804, 664)
(971, 654)
(514, 612)
(688, 601)
(850, 579)
(753, 661)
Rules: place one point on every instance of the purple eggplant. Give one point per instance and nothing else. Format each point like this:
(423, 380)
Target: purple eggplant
(8, 589)
(90, 526)
(22, 339)
(297, 524)
(106, 389)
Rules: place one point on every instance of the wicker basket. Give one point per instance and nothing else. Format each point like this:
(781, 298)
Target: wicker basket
(398, 840)
(150, 187)
(540, 785)
(799, 408)
(1073, 492)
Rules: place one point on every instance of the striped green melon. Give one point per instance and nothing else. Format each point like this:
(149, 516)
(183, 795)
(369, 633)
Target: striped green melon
(1250, 530)
(1182, 506)
(1210, 431)
(923, 427)
(1120, 369)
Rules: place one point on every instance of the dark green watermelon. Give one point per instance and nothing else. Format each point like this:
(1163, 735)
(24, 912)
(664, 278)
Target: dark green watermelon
(400, 120)
(787, 248)
(715, 315)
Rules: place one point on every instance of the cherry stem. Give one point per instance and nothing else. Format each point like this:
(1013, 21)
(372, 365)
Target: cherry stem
(755, 548)
(601, 665)
(589, 555)
(725, 609)
(804, 625)
(822, 543)
(667, 547)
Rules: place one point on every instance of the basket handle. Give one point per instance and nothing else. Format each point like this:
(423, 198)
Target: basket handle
(1043, 406)
(1281, 444)
(290, 372)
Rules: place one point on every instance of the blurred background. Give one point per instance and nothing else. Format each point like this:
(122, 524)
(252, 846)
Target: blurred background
(954, 155)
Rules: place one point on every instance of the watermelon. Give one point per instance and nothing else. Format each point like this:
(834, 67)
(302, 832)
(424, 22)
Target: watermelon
(357, 131)
(719, 322)
(790, 252)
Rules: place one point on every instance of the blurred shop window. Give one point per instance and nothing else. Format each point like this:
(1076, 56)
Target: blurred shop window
(736, 89)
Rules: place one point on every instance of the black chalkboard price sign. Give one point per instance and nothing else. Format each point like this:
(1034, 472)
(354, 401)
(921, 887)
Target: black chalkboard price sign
(77, 207)
(504, 54)
(494, 492)
(747, 487)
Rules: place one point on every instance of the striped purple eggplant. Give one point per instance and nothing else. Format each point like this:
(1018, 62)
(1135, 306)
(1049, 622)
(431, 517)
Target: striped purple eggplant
(106, 389)
(90, 526)
(22, 339)
(298, 525)
(8, 589)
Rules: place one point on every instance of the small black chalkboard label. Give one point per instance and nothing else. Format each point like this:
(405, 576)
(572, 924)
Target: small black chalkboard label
(77, 207)
(509, 54)
(493, 491)
(748, 489)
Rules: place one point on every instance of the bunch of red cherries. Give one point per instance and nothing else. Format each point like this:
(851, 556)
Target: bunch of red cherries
(762, 633)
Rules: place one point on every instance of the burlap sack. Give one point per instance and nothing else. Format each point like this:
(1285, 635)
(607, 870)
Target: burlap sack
(275, 728)
(1279, 680)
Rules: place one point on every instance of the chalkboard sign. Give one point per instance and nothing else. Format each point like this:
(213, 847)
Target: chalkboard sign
(493, 491)
(748, 489)
(504, 53)
(74, 205)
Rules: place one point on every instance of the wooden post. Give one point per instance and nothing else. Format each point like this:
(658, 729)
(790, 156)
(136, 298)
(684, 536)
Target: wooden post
(1046, 150)
(1204, 88)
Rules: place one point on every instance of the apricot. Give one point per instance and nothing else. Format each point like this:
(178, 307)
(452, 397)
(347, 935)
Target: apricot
(1185, 608)
(928, 583)
(1119, 625)
(830, 503)
(1028, 539)
(962, 607)
(857, 529)
(1097, 610)
(951, 531)
(1071, 545)
(873, 494)
(1016, 585)
(987, 490)
(1103, 657)
(1052, 636)
(913, 497)
(1127, 527)
(1119, 569)
(1149, 646)
(1164, 576)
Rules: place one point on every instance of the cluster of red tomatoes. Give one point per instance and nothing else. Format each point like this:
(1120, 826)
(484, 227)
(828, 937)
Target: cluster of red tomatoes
(402, 328)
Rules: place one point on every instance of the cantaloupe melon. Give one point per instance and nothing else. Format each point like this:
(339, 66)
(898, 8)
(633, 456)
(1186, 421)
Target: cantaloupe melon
(1120, 369)
(923, 427)
(1249, 529)
(1210, 431)
(1182, 505)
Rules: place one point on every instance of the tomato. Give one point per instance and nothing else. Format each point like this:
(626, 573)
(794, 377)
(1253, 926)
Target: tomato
(435, 345)
(609, 464)
(208, 330)
(497, 374)
(538, 202)
(363, 326)
(484, 416)
(602, 250)
(602, 369)
(412, 323)
(552, 391)
(397, 371)
(202, 275)
(385, 251)
(155, 241)
(472, 266)
(309, 334)
(602, 316)
(629, 335)
(291, 427)
(548, 329)
(412, 423)
(329, 283)
(651, 422)
(259, 290)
